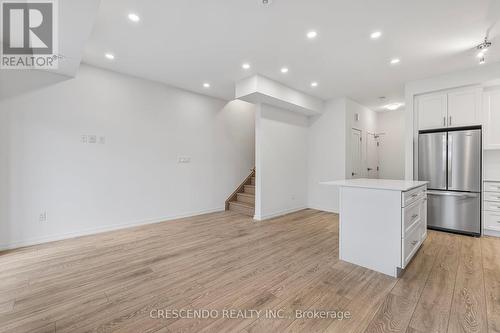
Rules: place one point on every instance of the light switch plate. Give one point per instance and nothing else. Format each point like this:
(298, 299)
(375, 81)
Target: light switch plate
(184, 159)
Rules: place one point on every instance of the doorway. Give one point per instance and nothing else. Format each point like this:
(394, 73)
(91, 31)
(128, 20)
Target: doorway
(372, 155)
(356, 154)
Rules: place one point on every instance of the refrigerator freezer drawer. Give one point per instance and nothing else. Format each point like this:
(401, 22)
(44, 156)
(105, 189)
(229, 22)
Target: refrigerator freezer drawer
(454, 211)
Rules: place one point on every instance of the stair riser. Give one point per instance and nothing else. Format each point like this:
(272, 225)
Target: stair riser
(253, 181)
(246, 199)
(241, 210)
(249, 189)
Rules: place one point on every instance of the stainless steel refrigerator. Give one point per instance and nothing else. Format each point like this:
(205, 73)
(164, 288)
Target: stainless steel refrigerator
(451, 162)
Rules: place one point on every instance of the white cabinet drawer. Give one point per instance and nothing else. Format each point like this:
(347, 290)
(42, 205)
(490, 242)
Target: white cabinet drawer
(411, 196)
(412, 215)
(492, 220)
(411, 244)
(491, 187)
(491, 196)
(492, 206)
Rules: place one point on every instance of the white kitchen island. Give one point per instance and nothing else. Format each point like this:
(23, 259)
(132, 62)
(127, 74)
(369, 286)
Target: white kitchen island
(383, 223)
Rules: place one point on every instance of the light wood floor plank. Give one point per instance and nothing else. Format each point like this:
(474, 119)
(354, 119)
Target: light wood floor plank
(433, 308)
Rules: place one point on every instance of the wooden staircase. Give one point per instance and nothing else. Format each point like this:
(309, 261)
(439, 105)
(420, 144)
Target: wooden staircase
(243, 199)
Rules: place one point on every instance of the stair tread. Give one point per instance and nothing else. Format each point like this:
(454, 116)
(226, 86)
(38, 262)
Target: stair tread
(242, 204)
(244, 194)
(250, 185)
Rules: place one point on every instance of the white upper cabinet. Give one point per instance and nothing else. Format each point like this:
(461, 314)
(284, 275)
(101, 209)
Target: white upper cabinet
(491, 117)
(432, 111)
(464, 108)
(454, 108)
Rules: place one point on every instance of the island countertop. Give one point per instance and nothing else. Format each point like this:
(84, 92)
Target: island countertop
(379, 184)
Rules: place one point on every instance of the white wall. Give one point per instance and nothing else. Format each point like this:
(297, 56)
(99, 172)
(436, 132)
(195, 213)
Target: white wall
(326, 155)
(391, 130)
(281, 161)
(134, 177)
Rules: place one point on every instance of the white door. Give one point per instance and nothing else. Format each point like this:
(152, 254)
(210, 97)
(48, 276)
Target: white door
(464, 108)
(372, 157)
(432, 111)
(356, 154)
(492, 119)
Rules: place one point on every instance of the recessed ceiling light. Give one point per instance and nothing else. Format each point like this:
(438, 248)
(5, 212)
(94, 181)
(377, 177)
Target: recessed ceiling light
(284, 70)
(312, 34)
(245, 66)
(393, 106)
(206, 85)
(395, 61)
(314, 84)
(109, 56)
(134, 17)
(375, 35)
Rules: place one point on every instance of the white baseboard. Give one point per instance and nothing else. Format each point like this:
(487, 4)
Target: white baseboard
(280, 213)
(323, 209)
(98, 230)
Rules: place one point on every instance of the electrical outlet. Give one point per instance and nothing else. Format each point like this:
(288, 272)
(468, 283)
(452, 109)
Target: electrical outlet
(92, 139)
(42, 217)
(84, 139)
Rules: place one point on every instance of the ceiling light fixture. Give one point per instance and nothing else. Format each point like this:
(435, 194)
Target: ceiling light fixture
(393, 106)
(109, 56)
(484, 45)
(375, 35)
(206, 85)
(483, 48)
(312, 34)
(314, 84)
(134, 17)
(245, 66)
(284, 70)
(395, 61)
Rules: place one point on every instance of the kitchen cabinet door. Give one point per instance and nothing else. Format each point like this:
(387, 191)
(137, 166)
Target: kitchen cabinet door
(432, 111)
(464, 107)
(491, 119)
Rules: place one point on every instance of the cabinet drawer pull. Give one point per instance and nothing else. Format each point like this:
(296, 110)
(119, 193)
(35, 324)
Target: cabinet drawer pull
(414, 216)
(414, 243)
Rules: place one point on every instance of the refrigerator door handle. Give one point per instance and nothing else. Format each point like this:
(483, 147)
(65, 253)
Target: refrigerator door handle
(450, 162)
(453, 194)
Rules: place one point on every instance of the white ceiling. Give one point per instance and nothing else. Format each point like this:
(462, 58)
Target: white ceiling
(185, 43)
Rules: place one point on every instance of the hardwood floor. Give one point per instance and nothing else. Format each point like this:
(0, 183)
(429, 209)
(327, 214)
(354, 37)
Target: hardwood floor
(115, 282)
